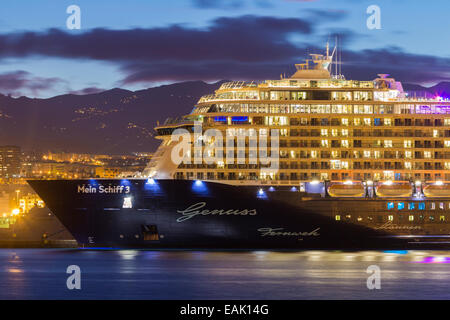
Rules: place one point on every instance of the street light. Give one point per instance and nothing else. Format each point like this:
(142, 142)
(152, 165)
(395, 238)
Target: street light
(17, 197)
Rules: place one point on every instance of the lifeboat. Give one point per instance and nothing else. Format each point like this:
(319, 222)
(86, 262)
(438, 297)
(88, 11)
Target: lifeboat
(434, 191)
(394, 190)
(346, 190)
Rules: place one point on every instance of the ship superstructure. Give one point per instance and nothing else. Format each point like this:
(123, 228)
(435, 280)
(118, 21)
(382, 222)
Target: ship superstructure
(335, 130)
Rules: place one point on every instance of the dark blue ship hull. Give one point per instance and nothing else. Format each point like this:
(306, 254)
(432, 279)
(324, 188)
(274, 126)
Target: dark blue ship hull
(199, 214)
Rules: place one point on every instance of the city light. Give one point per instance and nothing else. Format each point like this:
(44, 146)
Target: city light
(15, 212)
(439, 183)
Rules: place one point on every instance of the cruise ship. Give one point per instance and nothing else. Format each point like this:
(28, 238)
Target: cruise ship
(304, 162)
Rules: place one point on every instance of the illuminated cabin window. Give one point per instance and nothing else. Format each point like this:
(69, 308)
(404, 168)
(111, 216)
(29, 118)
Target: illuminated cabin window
(401, 206)
(447, 143)
(441, 206)
(442, 218)
(432, 205)
(220, 119)
(407, 143)
(127, 204)
(345, 143)
(391, 218)
(447, 121)
(408, 165)
(411, 218)
(390, 205)
(427, 154)
(344, 121)
(408, 154)
(338, 217)
(411, 206)
(344, 164)
(421, 206)
(388, 143)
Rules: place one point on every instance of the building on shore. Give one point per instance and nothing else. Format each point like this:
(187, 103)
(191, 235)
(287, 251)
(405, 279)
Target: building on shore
(10, 162)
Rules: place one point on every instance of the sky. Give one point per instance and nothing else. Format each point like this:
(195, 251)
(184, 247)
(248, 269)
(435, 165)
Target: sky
(136, 44)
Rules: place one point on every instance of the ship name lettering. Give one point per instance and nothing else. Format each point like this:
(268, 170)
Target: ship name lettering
(391, 226)
(281, 232)
(194, 210)
(103, 189)
(86, 189)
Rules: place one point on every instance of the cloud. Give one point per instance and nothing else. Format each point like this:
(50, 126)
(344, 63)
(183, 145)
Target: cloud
(244, 47)
(218, 4)
(89, 90)
(246, 38)
(326, 14)
(230, 4)
(402, 65)
(17, 83)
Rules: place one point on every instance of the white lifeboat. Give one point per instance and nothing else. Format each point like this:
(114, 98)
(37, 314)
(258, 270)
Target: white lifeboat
(394, 190)
(435, 191)
(346, 190)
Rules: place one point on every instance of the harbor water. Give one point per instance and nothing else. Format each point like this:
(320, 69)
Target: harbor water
(136, 274)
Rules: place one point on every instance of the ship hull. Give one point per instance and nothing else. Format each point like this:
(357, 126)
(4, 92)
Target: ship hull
(139, 213)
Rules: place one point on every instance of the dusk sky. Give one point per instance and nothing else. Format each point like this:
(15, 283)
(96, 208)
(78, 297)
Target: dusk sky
(137, 44)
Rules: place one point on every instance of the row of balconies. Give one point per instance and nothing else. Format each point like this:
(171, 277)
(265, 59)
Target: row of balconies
(341, 155)
(376, 134)
(360, 144)
(327, 166)
(395, 123)
(305, 176)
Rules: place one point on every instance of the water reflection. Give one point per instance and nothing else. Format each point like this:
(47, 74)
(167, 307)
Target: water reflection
(159, 274)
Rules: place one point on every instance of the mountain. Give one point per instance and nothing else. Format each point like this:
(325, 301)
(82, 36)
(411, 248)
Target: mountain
(113, 121)
(440, 89)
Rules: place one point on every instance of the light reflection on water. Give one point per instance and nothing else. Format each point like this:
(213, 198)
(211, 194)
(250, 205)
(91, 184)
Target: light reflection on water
(136, 274)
